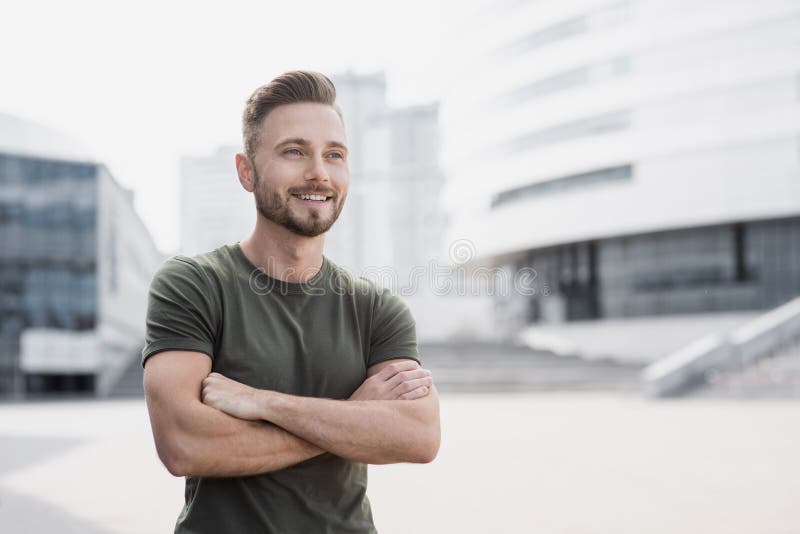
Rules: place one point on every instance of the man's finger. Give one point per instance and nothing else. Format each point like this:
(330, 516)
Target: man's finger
(415, 394)
(397, 367)
(403, 376)
(410, 385)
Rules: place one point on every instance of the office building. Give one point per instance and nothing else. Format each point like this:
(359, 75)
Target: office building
(215, 209)
(75, 264)
(393, 220)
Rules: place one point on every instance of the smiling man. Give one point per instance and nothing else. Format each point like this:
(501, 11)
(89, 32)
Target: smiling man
(272, 377)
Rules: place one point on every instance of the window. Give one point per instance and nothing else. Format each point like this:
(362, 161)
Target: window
(607, 16)
(587, 127)
(613, 68)
(564, 183)
(547, 35)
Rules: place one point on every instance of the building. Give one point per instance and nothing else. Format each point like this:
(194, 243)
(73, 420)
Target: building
(642, 157)
(393, 219)
(215, 209)
(415, 180)
(75, 265)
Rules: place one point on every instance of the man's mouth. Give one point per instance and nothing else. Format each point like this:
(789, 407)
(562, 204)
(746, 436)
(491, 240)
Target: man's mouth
(312, 197)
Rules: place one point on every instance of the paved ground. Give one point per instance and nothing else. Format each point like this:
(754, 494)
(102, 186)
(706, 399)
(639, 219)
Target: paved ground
(532, 462)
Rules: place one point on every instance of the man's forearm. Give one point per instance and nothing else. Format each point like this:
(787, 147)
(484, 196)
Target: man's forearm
(372, 431)
(213, 444)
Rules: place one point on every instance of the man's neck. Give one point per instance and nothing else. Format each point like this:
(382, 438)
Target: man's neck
(283, 254)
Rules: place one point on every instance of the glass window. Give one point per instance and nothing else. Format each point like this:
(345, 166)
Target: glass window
(568, 131)
(564, 183)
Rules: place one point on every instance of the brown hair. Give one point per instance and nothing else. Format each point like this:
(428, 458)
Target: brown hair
(288, 88)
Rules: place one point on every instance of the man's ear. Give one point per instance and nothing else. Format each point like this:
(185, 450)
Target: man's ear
(245, 170)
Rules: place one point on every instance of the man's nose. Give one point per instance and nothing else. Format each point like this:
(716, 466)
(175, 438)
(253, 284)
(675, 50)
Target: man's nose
(316, 170)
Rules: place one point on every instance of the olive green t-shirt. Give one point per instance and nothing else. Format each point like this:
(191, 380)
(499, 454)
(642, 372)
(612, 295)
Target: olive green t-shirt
(313, 339)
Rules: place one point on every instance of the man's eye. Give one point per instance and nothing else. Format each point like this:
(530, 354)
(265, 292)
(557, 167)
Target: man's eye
(293, 151)
(336, 155)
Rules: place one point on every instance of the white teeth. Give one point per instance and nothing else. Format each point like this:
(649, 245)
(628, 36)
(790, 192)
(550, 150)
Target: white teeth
(313, 197)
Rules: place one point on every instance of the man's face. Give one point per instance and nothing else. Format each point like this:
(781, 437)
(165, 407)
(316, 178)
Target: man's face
(301, 152)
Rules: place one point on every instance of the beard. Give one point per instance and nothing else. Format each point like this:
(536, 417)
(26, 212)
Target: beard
(274, 206)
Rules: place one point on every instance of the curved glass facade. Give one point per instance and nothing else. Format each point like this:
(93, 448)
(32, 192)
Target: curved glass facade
(733, 267)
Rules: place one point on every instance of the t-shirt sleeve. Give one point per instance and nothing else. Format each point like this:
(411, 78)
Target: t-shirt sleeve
(393, 333)
(180, 310)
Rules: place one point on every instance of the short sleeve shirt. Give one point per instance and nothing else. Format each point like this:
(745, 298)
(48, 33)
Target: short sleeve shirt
(313, 339)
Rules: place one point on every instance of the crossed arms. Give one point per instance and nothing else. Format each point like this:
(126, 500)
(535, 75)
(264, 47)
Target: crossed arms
(205, 424)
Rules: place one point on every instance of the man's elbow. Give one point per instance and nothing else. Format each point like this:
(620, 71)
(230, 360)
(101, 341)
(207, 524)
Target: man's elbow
(175, 458)
(428, 448)
(176, 466)
(429, 437)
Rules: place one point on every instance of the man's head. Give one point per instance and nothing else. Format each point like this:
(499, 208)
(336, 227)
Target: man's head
(294, 143)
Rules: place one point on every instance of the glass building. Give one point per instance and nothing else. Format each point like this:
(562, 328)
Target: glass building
(75, 261)
(732, 267)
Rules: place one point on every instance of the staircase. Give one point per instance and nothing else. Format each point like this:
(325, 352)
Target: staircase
(503, 368)
(130, 381)
(759, 359)
(776, 376)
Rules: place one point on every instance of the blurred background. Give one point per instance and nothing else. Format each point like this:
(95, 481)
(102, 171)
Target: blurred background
(592, 208)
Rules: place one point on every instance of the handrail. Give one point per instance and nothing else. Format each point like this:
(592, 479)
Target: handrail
(687, 367)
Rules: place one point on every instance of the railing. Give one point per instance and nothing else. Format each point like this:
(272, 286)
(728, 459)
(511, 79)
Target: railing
(688, 367)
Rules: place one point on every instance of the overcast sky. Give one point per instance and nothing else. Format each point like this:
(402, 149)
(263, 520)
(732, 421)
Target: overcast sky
(144, 83)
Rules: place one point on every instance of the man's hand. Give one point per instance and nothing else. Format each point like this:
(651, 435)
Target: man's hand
(368, 427)
(403, 380)
(232, 397)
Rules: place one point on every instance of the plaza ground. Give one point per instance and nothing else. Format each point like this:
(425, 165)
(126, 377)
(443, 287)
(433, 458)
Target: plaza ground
(515, 462)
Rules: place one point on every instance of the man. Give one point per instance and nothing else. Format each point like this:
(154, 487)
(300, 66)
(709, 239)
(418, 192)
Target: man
(272, 378)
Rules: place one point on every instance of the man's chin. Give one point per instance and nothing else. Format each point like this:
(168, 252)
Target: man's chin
(309, 230)
(312, 225)
(304, 225)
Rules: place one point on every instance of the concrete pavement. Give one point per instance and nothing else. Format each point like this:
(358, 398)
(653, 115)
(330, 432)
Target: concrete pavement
(533, 462)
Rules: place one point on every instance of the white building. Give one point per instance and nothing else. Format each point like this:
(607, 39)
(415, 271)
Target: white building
(641, 156)
(393, 220)
(75, 265)
(215, 209)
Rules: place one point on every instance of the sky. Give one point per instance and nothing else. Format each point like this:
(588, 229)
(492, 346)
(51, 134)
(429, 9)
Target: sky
(142, 84)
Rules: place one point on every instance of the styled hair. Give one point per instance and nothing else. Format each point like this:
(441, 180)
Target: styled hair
(289, 88)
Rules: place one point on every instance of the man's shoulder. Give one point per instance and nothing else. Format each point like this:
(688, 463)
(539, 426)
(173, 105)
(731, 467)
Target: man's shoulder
(205, 266)
(217, 260)
(346, 283)
(375, 296)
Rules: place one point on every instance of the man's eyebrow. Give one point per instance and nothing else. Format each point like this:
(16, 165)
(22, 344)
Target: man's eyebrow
(293, 141)
(337, 144)
(304, 142)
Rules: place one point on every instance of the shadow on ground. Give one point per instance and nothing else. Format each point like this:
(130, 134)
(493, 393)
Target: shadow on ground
(20, 452)
(24, 514)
